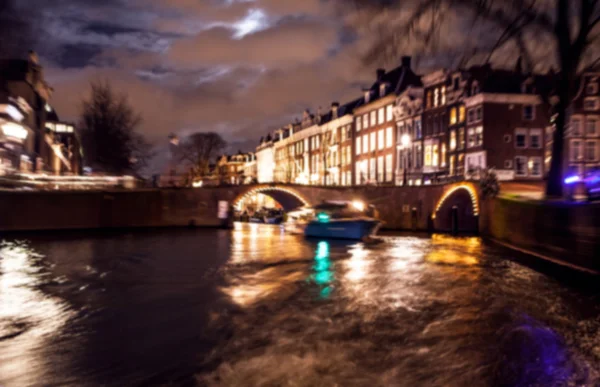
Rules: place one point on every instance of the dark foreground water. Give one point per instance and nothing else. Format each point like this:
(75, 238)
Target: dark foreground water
(256, 307)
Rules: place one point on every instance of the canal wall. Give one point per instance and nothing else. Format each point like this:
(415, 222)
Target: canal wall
(568, 233)
(56, 210)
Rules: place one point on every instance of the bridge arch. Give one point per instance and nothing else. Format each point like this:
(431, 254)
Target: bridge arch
(457, 209)
(289, 198)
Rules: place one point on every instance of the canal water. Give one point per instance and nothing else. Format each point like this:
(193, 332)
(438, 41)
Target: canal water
(257, 307)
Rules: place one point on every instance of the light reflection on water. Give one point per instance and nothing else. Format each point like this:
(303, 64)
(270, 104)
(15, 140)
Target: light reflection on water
(258, 307)
(29, 318)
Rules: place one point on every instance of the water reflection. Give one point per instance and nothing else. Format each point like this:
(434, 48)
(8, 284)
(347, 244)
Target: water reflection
(323, 274)
(454, 251)
(29, 318)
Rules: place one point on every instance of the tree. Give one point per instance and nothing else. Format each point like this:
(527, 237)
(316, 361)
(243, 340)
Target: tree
(562, 33)
(109, 137)
(199, 149)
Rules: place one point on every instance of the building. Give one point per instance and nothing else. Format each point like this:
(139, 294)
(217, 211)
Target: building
(230, 168)
(265, 160)
(435, 126)
(32, 138)
(250, 169)
(408, 110)
(582, 144)
(374, 133)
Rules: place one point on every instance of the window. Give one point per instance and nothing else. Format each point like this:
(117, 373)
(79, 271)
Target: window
(348, 132)
(474, 88)
(591, 88)
(429, 99)
(478, 115)
(380, 169)
(535, 166)
(590, 103)
(418, 130)
(373, 118)
(520, 138)
(372, 169)
(456, 83)
(507, 138)
(389, 112)
(373, 141)
(521, 166)
(427, 156)
(365, 121)
(590, 150)
(389, 140)
(435, 125)
(590, 127)
(443, 156)
(381, 139)
(358, 144)
(453, 117)
(365, 145)
(418, 154)
(529, 112)
(475, 137)
(508, 164)
(452, 140)
(461, 138)
(452, 165)
(358, 124)
(443, 102)
(434, 156)
(381, 114)
(436, 97)
(576, 154)
(461, 114)
(575, 128)
(389, 168)
(471, 116)
(535, 138)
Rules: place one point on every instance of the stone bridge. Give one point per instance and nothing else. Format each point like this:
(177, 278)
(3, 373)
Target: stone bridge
(409, 208)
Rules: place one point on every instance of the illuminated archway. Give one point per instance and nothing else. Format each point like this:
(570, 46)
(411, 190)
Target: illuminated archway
(288, 198)
(464, 186)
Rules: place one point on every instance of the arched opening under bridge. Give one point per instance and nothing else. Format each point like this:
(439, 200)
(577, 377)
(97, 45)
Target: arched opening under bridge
(286, 198)
(457, 210)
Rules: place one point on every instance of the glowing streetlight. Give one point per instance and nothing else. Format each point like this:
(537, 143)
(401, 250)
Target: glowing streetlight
(405, 139)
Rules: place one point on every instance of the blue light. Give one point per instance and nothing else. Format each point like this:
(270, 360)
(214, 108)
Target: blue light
(323, 217)
(571, 179)
(322, 250)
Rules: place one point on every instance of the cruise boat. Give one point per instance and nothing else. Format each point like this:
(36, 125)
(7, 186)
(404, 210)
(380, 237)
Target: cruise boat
(335, 220)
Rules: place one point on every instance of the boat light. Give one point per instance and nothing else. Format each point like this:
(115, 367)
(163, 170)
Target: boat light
(323, 217)
(360, 206)
(572, 179)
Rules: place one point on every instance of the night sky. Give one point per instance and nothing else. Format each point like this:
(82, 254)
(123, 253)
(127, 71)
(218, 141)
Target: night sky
(237, 67)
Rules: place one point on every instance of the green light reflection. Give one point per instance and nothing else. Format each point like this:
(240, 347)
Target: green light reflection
(323, 275)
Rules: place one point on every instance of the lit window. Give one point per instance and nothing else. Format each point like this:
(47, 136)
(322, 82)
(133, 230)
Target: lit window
(443, 102)
(461, 114)
(461, 138)
(535, 138)
(453, 116)
(590, 150)
(475, 137)
(521, 166)
(529, 112)
(452, 140)
(365, 144)
(535, 166)
(373, 118)
(365, 124)
(389, 137)
(452, 165)
(358, 144)
(427, 162)
(418, 130)
(380, 139)
(436, 97)
(389, 168)
(373, 141)
(590, 126)
(358, 124)
(390, 112)
(372, 168)
(429, 99)
(381, 116)
(443, 156)
(380, 169)
(434, 156)
(520, 138)
(575, 151)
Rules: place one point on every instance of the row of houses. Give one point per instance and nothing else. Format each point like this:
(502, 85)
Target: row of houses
(411, 129)
(33, 140)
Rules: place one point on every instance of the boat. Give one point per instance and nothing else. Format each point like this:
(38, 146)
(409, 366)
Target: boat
(273, 217)
(334, 220)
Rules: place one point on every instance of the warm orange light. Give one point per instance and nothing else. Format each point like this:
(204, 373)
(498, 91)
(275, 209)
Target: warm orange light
(258, 190)
(469, 188)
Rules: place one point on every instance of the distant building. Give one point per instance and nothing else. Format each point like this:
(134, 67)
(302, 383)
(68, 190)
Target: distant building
(265, 160)
(32, 139)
